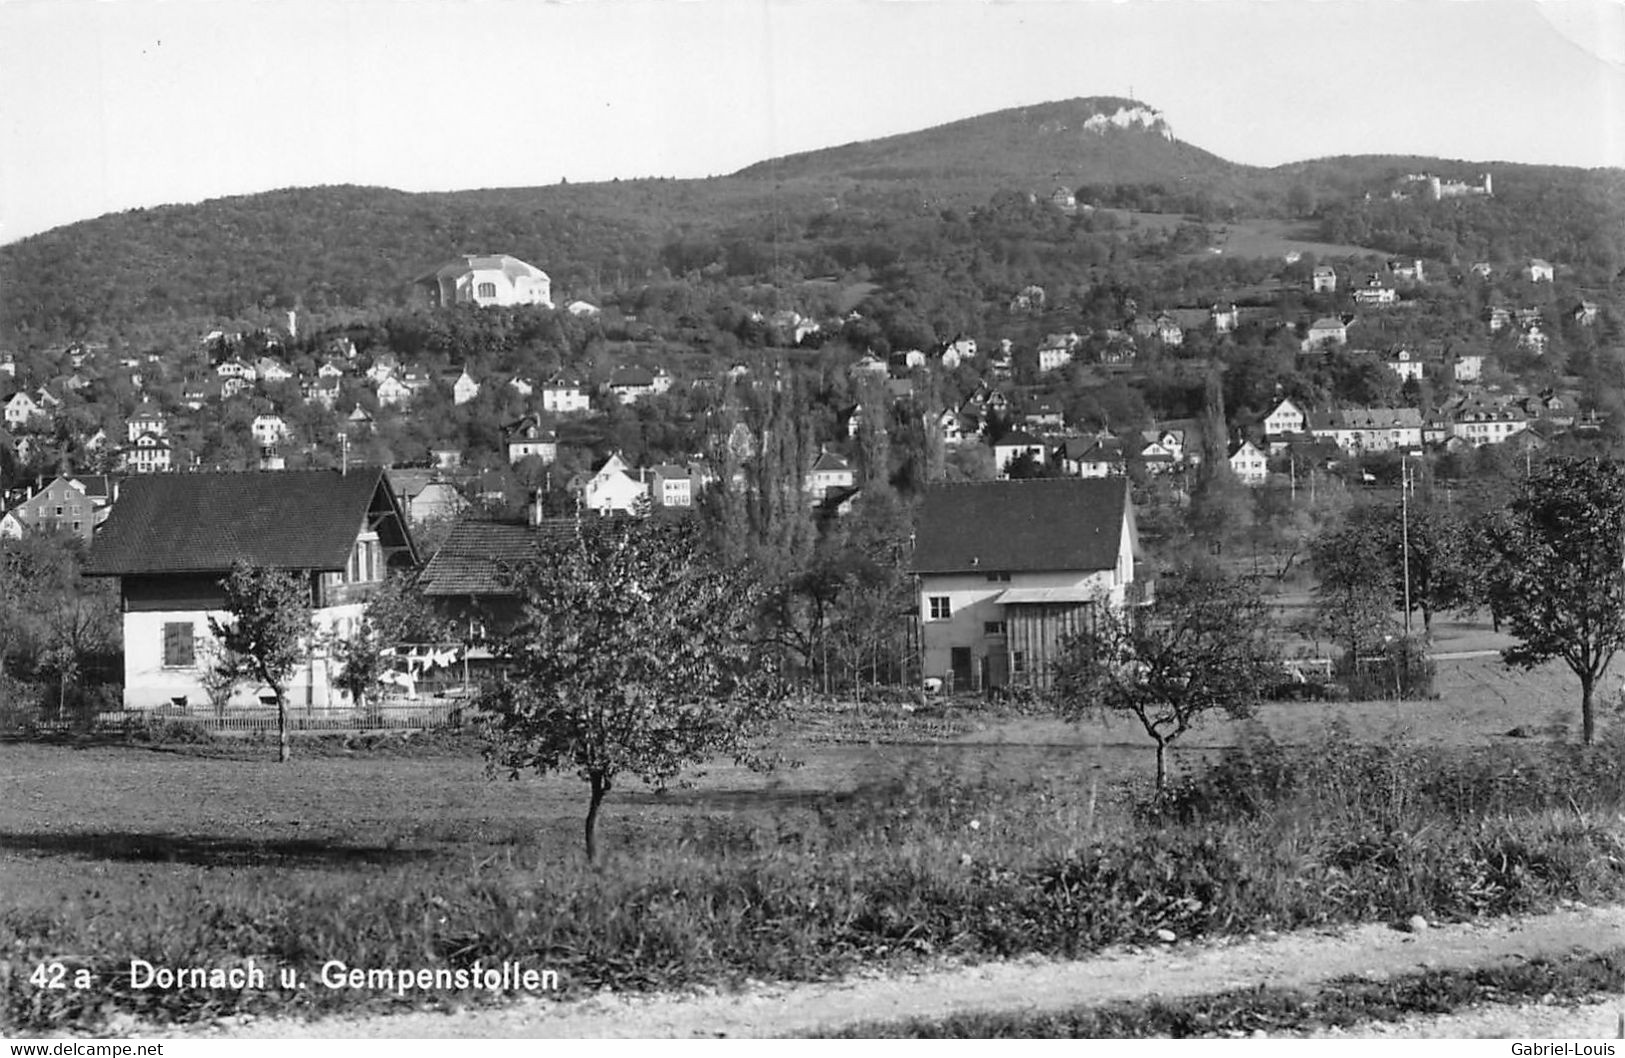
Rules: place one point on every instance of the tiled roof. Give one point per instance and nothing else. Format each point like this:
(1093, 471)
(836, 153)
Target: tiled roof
(632, 376)
(203, 523)
(829, 461)
(478, 555)
(1012, 526)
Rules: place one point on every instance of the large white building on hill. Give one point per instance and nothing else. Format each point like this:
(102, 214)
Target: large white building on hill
(484, 280)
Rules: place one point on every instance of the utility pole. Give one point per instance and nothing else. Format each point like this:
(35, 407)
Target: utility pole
(1405, 535)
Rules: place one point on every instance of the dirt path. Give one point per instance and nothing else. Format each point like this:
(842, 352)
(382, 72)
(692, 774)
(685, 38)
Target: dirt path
(1530, 1021)
(1298, 959)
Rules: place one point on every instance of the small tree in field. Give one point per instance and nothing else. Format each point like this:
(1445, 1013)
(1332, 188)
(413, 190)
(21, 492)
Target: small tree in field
(395, 614)
(268, 633)
(1553, 575)
(637, 654)
(1203, 646)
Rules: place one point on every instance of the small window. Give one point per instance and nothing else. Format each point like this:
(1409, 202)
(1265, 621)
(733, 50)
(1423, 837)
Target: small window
(1001, 578)
(179, 646)
(940, 607)
(488, 290)
(993, 628)
(1018, 662)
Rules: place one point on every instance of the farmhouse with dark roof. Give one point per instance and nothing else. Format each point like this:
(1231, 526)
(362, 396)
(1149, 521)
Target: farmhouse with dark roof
(173, 538)
(1008, 569)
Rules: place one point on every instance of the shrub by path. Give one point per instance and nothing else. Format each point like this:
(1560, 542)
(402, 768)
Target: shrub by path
(1300, 959)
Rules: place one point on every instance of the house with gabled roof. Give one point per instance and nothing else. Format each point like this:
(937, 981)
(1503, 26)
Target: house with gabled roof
(269, 429)
(425, 494)
(563, 395)
(1249, 463)
(614, 489)
(1153, 455)
(392, 392)
(1008, 569)
(1539, 270)
(671, 484)
(322, 390)
(1324, 280)
(1327, 330)
(270, 369)
(528, 437)
(383, 365)
(172, 539)
(146, 418)
(67, 504)
(828, 471)
(1479, 421)
(1013, 446)
(957, 427)
(463, 387)
(20, 409)
(1094, 456)
(1404, 363)
(632, 384)
(1057, 350)
(470, 578)
(415, 377)
(1285, 418)
(149, 453)
(1376, 429)
(237, 368)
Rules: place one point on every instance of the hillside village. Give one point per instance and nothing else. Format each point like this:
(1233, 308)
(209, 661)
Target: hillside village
(1357, 376)
(811, 393)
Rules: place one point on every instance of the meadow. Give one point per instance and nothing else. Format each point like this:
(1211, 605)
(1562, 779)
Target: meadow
(896, 837)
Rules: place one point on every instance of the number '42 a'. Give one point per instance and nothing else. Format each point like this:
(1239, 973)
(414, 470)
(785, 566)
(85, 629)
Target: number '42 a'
(56, 975)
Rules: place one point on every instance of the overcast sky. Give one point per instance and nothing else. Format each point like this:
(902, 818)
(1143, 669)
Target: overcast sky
(110, 104)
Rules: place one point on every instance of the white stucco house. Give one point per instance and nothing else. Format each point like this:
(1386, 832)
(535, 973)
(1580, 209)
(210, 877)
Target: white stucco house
(1008, 569)
(613, 489)
(269, 429)
(1013, 446)
(1285, 418)
(1249, 463)
(464, 388)
(486, 280)
(528, 437)
(564, 396)
(828, 473)
(173, 538)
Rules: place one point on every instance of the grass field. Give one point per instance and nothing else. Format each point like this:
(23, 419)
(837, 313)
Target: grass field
(1255, 236)
(890, 847)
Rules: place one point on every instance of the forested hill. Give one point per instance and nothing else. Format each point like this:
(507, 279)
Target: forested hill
(1098, 140)
(820, 213)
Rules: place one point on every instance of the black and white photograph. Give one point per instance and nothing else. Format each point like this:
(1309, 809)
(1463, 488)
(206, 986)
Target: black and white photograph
(870, 519)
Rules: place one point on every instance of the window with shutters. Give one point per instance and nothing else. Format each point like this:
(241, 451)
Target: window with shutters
(179, 648)
(488, 290)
